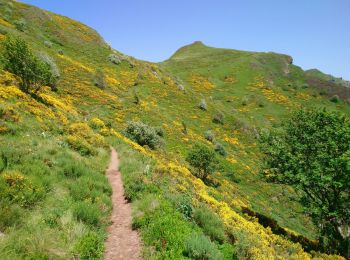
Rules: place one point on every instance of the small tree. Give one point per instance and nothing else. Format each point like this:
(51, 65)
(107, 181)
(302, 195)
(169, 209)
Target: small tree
(144, 134)
(100, 79)
(312, 154)
(203, 160)
(19, 60)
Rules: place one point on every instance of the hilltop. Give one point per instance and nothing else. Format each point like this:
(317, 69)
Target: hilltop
(54, 146)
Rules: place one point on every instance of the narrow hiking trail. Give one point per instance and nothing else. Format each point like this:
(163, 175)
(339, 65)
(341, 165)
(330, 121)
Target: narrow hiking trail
(122, 241)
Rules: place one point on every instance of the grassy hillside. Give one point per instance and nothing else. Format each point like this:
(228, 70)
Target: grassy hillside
(54, 148)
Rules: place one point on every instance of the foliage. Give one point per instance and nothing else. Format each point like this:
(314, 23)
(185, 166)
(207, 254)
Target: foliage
(144, 134)
(19, 60)
(209, 135)
(203, 105)
(199, 247)
(89, 246)
(114, 59)
(220, 149)
(218, 118)
(17, 188)
(334, 99)
(210, 223)
(100, 79)
(88, 213)
(21, 25)
(312, 154)
(203, 160)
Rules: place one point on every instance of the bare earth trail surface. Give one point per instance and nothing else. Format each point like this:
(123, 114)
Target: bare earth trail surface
(122, 241)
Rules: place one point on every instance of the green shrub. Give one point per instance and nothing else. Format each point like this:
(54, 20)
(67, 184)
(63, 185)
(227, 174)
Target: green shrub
(143, 134)
(166, 230)
(10, 215)
(203, 160)
(19, 60)
(335, 99)
(323, 92)
(100, 79)
(48, 44)
(87, 213)
(218, 118)
(90, 246)
(72, 168)
(55, 71)
(3, 162)
(210, 223)
(134, 188)
(199, 247)
(184, 127)
(20, 25)
(209, 135)
(160, 131)
(114, 59)
(220, 149)
(260, 103)
(245, 101)
(203, 105)
(183, 204)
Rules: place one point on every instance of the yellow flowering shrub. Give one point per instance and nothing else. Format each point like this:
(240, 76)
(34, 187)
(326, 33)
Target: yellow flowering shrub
(200, 83)
(9, 113)
(6, 24)
(83, 139)
(11, 92)
(19, 189)
(96, 123)
(68, 108)
(231, 140)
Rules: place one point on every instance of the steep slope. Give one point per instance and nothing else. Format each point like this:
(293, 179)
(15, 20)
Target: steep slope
(54, 148)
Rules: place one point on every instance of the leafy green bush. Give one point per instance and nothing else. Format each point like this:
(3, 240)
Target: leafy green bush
(209, 135)
(114, 59)
(19, 60)
(48, 44)
(220, 149)
(99, 79)
(210, 223)
(20, 25)
(218, 118)
(55, 71)
(203, 160)
(90, 246)
(312, 155)
(144, 134)
(203, 105)
(335, 99)
(199, 247)
(245, 101)
(164, 229)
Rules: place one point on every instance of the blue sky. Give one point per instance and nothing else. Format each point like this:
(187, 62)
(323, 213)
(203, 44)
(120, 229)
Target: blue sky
(315, 32)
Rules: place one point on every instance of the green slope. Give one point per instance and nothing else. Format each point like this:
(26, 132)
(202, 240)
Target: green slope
(59, 145)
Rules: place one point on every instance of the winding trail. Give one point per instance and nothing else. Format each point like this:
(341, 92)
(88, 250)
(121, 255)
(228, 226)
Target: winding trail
(123, 242)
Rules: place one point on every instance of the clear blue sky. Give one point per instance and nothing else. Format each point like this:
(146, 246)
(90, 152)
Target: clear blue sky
(315, 32)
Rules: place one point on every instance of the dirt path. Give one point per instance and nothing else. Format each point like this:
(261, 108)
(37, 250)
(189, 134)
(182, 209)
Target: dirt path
(122, 242)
